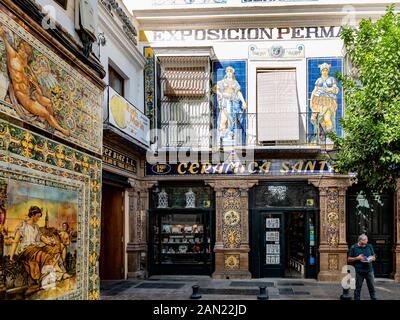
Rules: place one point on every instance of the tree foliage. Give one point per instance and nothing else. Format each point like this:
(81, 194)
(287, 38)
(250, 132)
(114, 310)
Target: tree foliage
(371, 143)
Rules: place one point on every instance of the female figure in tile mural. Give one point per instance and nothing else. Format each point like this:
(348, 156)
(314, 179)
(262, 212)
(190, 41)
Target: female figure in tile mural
(37, 251)
(229, 96)
(23, 78)
(324, 101)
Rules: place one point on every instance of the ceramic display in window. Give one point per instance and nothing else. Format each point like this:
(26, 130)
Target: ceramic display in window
(163, 199)
(190, 199)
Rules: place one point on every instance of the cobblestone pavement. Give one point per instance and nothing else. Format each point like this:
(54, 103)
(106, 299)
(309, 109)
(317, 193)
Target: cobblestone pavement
(180, 288)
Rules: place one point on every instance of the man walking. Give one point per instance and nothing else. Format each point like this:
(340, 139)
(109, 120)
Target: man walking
(361, 255)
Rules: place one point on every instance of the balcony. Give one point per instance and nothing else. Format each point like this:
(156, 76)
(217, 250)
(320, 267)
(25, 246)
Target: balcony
(198, 131)
(290, 132)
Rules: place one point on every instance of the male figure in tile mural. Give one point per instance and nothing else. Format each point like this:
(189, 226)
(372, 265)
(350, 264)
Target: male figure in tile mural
(229, 96)
(22, 78)
(324, 101)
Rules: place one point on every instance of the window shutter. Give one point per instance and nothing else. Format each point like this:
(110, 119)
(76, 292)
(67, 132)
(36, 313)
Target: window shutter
(277, 105)
(184, 76)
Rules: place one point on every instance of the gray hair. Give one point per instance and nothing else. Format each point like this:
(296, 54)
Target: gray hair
(362, 237)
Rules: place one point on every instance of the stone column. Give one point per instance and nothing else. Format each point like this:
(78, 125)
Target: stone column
(138, 219)
(396, 253)
(232, 228)
(332, 227)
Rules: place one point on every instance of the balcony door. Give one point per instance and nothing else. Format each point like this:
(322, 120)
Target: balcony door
(277, 106)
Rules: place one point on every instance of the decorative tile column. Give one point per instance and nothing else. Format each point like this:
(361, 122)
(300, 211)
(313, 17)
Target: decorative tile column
(137, 245)
(396, 257)
(232, 228)
(332, 227)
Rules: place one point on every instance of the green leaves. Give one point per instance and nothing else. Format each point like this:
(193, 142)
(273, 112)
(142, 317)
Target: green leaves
(371, 144)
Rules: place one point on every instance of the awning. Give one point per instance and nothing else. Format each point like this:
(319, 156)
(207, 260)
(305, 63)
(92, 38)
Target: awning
(184, 76)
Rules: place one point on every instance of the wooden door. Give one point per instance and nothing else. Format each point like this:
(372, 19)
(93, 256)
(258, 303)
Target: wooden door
(112, 233)
(372, 214)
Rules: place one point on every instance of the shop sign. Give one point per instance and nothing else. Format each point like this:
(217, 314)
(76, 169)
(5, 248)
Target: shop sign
(124, 116)
(119, 160)
(275, 52)
(245, 34)
(252, 168)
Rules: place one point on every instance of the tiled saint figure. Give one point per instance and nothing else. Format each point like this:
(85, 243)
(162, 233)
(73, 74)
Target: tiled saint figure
(324, 103)
(229, 97)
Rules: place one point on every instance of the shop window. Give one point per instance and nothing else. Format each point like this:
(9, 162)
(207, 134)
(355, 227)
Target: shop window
(176, 197)
(181, 238)
(62, 3)
(277, 106)
(116, 81)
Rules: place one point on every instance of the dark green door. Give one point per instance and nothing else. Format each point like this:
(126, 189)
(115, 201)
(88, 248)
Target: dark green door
(372, 214)
(272, 244)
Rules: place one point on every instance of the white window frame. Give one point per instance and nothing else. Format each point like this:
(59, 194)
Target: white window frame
(300, 65)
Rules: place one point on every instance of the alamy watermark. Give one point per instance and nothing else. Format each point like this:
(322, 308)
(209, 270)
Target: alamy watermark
(50, 18)
(349, 280)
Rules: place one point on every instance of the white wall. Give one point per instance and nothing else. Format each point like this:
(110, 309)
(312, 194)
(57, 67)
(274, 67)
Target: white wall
(66, 18)
(238, 50)
(124, 57)
(127, 67)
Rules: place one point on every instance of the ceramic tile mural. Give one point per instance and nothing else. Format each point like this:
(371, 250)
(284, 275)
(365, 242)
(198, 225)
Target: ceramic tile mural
(325, 98)
(332, 217)
(232, 224)
(50, 201)
(232, 262)
(41, 89)
(149, 85)
(230, 90)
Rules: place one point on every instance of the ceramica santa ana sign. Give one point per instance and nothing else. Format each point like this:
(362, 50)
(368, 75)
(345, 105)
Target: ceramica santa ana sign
(253, 168)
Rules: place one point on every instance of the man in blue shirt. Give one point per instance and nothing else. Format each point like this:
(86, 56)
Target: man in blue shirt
(361, 256)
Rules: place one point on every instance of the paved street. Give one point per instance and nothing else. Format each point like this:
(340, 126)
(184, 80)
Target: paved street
(180, 288)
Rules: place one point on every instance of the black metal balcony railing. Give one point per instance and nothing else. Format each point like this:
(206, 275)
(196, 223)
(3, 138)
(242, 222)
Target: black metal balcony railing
(199, 131)
(309, 134)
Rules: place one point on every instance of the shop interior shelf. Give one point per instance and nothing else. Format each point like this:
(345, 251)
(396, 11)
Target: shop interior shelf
(185, 253)
(181, 243)
(181, 234)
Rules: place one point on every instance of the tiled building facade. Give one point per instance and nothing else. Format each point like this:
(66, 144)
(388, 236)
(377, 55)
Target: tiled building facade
(243, 96)
(50, 154)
